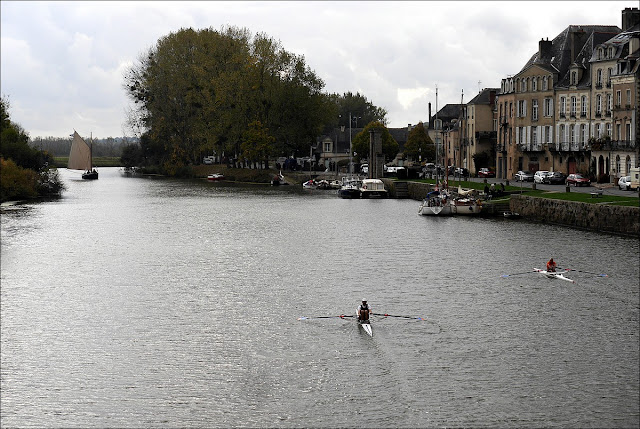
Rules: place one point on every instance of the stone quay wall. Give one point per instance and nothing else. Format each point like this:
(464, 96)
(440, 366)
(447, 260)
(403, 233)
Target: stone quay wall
(622, 220)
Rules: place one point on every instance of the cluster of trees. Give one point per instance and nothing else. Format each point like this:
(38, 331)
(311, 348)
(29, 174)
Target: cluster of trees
(24, 171)
(59, 146)
(226, 92)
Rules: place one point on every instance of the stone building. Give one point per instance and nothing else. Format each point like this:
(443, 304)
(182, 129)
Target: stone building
(573, 107)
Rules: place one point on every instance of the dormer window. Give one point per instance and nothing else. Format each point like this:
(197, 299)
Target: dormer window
(574, 77)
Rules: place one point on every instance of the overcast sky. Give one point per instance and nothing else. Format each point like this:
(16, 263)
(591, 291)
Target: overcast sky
(62, 63)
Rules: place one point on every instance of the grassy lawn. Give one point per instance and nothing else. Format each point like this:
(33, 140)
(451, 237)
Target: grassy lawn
(632, 201)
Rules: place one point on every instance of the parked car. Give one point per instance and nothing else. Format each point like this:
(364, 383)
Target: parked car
(624, 183)
(555, 178)
(540, 175)
(524, 176)
(462, 172)
(486, 172)
(577, 180)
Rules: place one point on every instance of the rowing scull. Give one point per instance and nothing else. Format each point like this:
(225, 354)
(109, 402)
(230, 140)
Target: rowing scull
(553, 275)
(366, 326)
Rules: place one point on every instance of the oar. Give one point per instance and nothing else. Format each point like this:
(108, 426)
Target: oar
(402, 317)
(342, 316)
(586, 272)
(516, 274)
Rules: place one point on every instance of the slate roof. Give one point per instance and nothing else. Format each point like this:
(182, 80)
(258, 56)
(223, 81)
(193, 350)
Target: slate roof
(484, 97)
(448, 113)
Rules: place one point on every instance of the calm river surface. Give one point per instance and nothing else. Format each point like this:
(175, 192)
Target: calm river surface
(137, 302)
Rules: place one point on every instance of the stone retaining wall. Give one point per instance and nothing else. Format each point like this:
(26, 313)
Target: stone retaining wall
(595, 217)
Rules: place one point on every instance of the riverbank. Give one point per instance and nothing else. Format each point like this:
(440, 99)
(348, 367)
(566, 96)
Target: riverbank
(599, 215)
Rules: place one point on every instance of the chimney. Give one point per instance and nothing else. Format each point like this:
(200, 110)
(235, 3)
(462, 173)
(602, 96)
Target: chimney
(630, 17)
(544, 51)
(577, 40)
(430, 124)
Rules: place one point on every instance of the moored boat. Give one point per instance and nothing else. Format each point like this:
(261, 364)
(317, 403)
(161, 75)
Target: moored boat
(215, 177)
(436, 203)
(350, 188)
(373, 188)
(465, 206)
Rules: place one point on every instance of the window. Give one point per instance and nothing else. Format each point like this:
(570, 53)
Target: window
(598, 131)
(562, 138)
(523, 85)
(628, 97)
(618, 98)
(599, 77)
(522, 108)
(572, 131)
(574, 78)
(534, 135)
(608, 129)
(544, 83)
(534, 84)
(583, 105)
(598, 104)
(609, 103)
(585, 136)
(618, 135)
(628, 132)
(574, 105)
(534, 110)
(548, 107)
(563, 106)
(547, 134)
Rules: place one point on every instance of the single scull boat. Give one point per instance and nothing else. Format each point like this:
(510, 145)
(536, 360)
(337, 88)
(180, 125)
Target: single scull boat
(553, 275)
(366, 326)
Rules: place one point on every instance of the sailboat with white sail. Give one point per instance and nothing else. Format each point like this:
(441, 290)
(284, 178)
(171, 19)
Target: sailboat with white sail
(80, 157)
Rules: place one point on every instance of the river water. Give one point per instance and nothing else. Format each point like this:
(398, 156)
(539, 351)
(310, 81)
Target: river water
(139, 302)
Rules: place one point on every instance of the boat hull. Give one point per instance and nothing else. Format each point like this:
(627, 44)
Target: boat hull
(93, 175)
(367, 327)
(434, 208)
(350, 193)
(556, 275)
(465, 207)
(373, 194)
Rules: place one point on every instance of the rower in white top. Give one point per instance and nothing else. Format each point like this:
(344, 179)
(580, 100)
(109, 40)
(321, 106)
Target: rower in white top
(363, 312)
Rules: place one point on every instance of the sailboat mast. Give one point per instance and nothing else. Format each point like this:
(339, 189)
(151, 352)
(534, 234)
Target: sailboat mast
(437, 140)
(91, 153)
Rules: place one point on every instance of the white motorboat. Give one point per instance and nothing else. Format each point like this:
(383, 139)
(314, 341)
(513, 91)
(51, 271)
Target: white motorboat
(350, 187)
(373, 188)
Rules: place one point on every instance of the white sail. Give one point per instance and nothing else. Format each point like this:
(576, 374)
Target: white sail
(80, 154)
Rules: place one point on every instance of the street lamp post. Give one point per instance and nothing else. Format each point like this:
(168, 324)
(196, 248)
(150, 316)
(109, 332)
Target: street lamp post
(350, 146)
